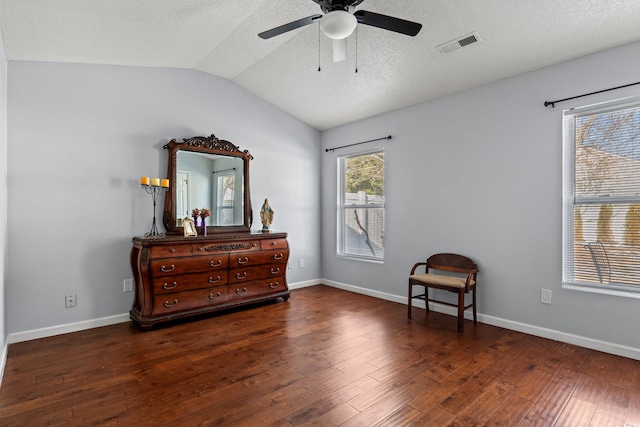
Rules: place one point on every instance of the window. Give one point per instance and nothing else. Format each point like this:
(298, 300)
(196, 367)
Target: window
(601, 193)
(226, 200)
(361, 205)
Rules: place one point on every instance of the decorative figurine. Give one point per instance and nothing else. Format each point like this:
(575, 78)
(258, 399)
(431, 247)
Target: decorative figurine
(266, 215)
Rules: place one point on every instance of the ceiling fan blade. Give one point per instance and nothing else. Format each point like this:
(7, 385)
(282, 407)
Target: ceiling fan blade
(288, 27)
(339, 49)
(388, 22)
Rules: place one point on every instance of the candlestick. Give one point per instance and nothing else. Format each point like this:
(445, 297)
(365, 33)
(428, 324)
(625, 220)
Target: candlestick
(155, 182)
(154, 190)
(144, 180)
(164, 183)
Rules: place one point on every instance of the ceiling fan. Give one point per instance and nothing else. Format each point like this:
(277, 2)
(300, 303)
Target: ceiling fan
(339, 21)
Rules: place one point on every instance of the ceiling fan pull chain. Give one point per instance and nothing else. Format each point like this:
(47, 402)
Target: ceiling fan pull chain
(319, 46)
(356, 49)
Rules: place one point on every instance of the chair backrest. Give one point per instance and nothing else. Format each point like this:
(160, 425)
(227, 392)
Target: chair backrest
(451, 262)
(600, 260)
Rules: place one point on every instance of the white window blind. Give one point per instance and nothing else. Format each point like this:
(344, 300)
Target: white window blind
(601, 192)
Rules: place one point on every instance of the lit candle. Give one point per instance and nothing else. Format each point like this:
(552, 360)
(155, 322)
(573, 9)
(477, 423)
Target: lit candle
(144, 180)
(155, 182)
(165, 183)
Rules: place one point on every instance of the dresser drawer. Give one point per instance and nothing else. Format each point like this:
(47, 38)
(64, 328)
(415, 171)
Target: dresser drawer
(247, 259)
(189, 300)
(257, 288)
(274, 244)
(248, 274)
(170, 251)
(213, 248)
(175, 266)
(169, 284)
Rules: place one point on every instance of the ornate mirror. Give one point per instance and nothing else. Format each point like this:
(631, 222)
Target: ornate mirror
(208, 173)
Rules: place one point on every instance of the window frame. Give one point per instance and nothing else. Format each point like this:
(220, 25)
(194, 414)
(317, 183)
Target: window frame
(342, 207)
(219, 197)
(570, 200)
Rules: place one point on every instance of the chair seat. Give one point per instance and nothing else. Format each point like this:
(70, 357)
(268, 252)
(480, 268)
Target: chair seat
(441, 280)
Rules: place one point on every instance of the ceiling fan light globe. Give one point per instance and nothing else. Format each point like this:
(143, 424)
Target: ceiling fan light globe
(338, 24)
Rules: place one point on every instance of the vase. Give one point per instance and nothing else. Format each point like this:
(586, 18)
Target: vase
(203, 226)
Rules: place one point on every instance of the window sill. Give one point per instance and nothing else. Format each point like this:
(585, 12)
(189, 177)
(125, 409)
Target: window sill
(612, 289)
(365, 259)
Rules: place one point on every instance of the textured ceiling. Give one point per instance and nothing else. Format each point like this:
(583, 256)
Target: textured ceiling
(219, 37)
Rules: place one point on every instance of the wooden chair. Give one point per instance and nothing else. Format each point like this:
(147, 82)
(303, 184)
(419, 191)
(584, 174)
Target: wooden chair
(600, 260)
(461, 283)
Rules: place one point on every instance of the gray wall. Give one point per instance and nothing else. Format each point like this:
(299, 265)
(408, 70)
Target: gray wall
(477, 173)
(3, 198)
(80, 137)
(480, 173)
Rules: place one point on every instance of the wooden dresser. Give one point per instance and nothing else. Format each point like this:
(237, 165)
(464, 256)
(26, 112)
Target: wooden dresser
(177, 276)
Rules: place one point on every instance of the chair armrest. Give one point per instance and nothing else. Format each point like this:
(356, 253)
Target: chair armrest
(471, 275)
(416, 265)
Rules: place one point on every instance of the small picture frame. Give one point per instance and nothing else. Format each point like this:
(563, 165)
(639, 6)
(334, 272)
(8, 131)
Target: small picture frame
(189, 227)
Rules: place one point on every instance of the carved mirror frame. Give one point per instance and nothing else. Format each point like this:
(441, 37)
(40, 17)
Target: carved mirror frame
(207, 145)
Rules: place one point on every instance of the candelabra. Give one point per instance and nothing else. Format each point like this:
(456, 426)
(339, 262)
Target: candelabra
(154, 190)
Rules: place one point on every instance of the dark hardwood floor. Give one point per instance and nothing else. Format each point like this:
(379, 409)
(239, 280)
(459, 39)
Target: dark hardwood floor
(326, 357)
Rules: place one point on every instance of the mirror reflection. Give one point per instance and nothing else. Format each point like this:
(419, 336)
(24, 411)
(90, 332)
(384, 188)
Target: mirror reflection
(210, 181)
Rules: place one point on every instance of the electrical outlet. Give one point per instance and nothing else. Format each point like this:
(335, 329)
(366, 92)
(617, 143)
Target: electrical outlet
(70, 300)
(289, 266)
(128, 285)
(545, 296)
(301, 263)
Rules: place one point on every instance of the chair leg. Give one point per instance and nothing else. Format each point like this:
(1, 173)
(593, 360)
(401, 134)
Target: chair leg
(409, 304)
(475, 315)
(460, 310)
(426, 298)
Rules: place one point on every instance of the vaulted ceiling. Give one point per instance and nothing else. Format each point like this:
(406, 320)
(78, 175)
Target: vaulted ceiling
(219, 37)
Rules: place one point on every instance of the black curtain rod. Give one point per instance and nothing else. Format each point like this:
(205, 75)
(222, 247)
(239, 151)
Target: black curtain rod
(225, 170)
(553, 103)
(357, 143)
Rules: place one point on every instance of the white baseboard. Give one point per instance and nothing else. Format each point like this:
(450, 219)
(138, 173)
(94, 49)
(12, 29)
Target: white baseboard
(66, 328)
(604, 346)
(96, 323)
(3, 360)
(607, 347)
(306, 284)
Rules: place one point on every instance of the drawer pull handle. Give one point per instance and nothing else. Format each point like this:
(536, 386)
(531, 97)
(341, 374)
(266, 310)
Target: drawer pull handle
(211, 280)
(278, 256)
(275, 270)
(274, 285)
(167, 286)
(241, 275)
(240, 292)
(243, 260)
(172, 250)
(167, 270)
(216, 296)
(273, 243)
(218, 264)
(200, 248)
(168, 304)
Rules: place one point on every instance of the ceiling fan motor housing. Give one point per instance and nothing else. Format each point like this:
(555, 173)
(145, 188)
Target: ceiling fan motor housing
(329, 5)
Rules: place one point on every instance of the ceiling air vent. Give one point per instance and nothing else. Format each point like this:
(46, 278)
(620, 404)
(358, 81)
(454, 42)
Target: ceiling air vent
(460, 42)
